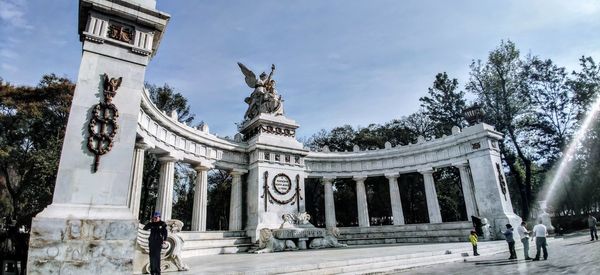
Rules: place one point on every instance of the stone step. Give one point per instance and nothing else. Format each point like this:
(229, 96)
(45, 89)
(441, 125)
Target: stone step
(371, 241)
(200, 243)
(214, 242)
(187, 253)
(210, 235)
(409, 227)
(404, 234)
(383, 264)
(414, 233)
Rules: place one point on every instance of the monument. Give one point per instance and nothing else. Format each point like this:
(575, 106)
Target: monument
(275, 181)
(91, 225)
(89, 228)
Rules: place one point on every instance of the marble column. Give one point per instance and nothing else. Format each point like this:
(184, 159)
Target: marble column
(467, 188)
(330, 220)
(395, 199)
(164, 202)
(361, 201)
(235, 203)
(200, 198)
(135, 189)
(433, 206)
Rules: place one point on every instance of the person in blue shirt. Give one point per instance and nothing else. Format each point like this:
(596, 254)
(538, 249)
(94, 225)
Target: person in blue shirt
(158, 236)
(508, 234)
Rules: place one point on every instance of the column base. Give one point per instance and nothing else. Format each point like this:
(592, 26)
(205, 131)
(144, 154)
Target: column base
(80, 243)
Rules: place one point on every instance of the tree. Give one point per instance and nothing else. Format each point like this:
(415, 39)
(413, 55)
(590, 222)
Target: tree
(32, 125)
(498, 84)
(168, 100)
(585, 84)
(553, 113)
(444, 105)
(419, 124)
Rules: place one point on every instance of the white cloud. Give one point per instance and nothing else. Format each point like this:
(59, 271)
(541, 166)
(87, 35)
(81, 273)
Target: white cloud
(13, 13)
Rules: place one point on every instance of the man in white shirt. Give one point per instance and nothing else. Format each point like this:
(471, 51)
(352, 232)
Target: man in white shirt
(540, 232)
(524, 233)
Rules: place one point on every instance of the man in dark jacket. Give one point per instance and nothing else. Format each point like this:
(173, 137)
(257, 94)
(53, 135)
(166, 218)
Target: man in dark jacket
(158, 235)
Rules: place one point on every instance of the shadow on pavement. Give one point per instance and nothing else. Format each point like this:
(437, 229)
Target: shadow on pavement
(581, 243)
(497, 262)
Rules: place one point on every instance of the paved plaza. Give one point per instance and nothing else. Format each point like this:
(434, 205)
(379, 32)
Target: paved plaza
(574, 255)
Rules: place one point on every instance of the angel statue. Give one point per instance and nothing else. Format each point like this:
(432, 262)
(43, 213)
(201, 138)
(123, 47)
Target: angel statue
(264, 98)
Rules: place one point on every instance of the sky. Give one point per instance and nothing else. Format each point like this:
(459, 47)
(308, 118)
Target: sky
(338, 62)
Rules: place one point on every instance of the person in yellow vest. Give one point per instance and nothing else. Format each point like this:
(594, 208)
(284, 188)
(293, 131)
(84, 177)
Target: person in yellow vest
(473, 240)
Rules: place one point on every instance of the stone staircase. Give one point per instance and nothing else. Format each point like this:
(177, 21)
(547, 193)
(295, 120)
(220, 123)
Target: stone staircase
(213, 243)
(411, 233)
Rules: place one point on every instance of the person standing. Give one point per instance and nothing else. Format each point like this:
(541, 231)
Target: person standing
(158, 236)
(592, 223)
(473, 240)
(524, 233)
(540, 233)
(508, 234)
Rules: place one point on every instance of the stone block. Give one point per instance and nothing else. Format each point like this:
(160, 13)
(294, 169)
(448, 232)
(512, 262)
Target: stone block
(84, 246)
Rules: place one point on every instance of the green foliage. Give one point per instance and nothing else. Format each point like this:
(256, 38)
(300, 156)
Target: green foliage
(32, 124)
(167, 99)
(444, 105)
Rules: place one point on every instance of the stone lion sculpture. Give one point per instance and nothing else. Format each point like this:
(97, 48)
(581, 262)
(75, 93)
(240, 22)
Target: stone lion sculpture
(330, 240)
(268, 243)
(303, 218)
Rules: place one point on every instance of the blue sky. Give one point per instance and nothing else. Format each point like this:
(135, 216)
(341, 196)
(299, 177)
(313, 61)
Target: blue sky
(338, 61)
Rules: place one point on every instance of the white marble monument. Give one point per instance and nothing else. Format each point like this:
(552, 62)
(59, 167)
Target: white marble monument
(89, 227)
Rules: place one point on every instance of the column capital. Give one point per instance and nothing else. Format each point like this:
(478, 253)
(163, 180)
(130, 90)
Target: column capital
(359, 177)
(461, 164)
(143, 145)
(202, 167)
(426, 171)
(238, 172)
(167, 158)
(392, 175)
(328, 179)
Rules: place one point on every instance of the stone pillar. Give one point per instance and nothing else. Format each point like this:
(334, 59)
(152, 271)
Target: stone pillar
(330, 220)
(135, 190)
(200, 198)
(89, 227)
(235, 203)
(433, 206)
(361, 201)
(164, 202)
(395, 199)
(467, 187)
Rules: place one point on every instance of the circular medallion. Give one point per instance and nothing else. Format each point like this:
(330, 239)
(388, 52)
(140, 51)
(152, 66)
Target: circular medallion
(282, 184)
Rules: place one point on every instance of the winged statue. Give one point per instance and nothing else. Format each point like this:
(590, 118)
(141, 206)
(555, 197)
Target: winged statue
(264, 98)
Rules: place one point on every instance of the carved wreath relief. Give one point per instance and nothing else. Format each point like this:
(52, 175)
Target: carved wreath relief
(282, 186)
(103, 126)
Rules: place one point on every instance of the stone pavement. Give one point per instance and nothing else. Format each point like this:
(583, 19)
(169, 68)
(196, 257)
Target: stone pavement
(361, 259)
(573, 255)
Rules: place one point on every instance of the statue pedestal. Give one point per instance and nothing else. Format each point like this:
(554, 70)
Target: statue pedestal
(275, 182)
